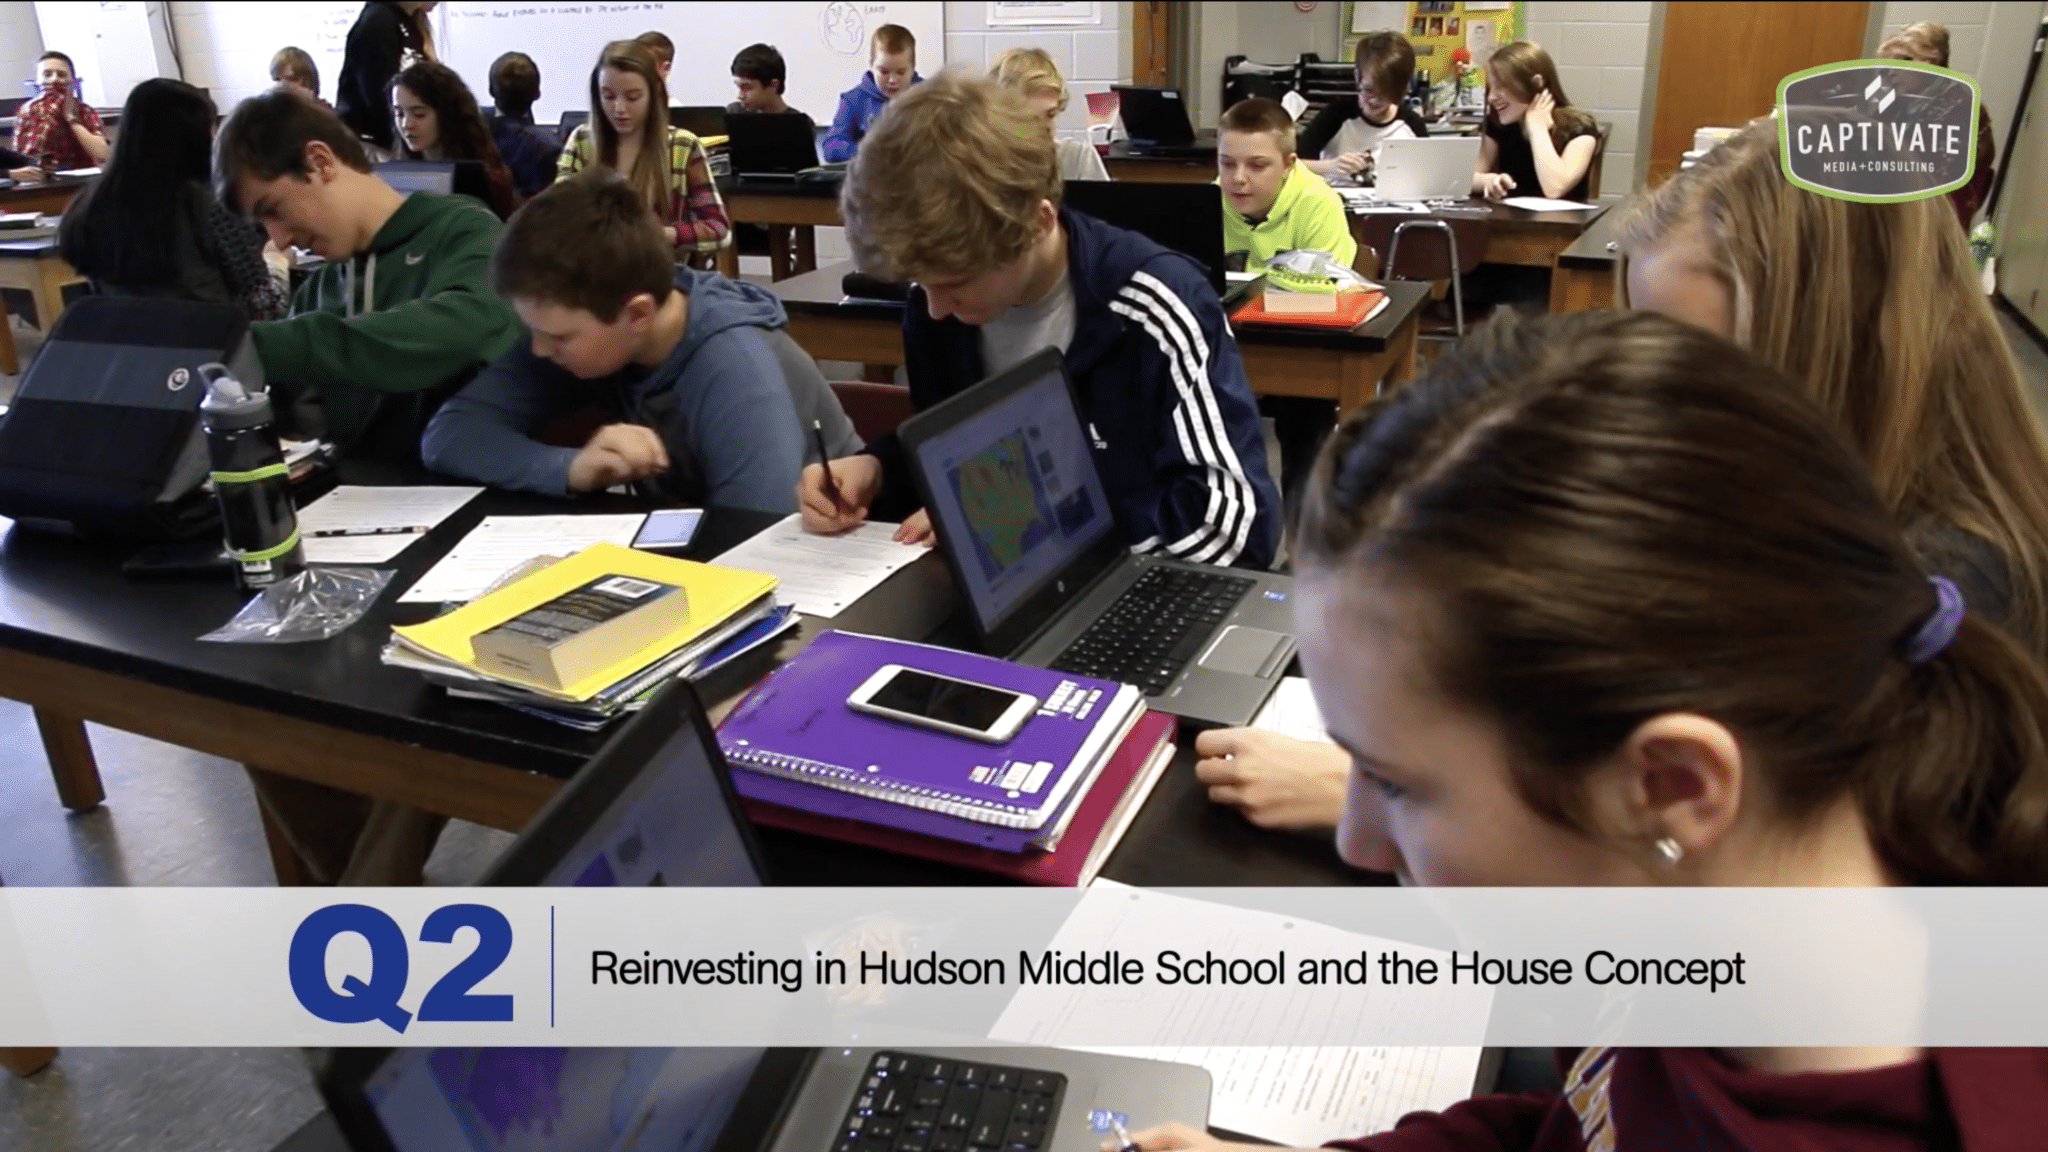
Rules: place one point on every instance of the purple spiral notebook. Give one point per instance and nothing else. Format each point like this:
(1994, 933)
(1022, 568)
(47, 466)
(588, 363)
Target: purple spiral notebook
(795, 736)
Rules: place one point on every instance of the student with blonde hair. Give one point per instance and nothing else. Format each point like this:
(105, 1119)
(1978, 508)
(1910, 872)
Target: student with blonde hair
(1875, 311)
(1602, 601)
(1926, 42)
(892, 69)
(957, 191)
(1030, 73)
(629, 132)
(1536, 143)
(294, 68)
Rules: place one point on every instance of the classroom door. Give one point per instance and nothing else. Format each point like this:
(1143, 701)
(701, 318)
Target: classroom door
(1720, 64)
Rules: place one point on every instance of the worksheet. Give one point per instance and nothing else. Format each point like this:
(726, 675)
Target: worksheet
(1291, 711)
(822, 575)
(502, 543)
(357, 524)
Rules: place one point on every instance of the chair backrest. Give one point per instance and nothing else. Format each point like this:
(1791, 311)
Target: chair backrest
(1593, 169)
(1424, 254)
(875, 409)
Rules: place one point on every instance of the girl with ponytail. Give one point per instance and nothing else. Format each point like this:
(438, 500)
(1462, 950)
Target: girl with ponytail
(1606, 601)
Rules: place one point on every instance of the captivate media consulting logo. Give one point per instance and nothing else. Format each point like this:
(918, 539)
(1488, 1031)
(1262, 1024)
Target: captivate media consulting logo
(1878, 131)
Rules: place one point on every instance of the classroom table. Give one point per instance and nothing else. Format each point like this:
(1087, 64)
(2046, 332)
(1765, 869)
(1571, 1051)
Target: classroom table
(792, 213)
(49, 197)
(1514, 235)
(37, 267)
(84, 643)
(1159, 169)
(1584, 276)
(1345, 366)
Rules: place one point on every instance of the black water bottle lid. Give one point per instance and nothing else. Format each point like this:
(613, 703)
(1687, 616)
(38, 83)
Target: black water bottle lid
(228, 405)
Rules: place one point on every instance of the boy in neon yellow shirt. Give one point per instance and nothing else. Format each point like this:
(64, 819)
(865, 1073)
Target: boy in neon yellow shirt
(1271, 201)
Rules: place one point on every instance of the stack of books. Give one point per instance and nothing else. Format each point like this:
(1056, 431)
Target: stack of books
(1046, 806)
(588, 638)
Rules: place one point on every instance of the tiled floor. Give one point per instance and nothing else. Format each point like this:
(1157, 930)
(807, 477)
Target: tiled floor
(177, 817)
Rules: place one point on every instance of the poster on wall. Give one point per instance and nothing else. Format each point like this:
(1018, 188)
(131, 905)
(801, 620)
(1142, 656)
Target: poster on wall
(1439, 28)
(1043, 13)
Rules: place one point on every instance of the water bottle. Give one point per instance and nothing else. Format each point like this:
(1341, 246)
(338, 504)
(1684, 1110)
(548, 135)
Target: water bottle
(250, 480)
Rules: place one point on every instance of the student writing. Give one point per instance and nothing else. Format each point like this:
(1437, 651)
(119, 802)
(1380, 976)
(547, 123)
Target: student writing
(892, 68)
(151, 226)
(386, 35)
(761, 79)
(1875, 311)
(437, 119)
(705, 399)
(1030, 73)
(530, 151)
(1536, 143)
(1804, 706)
(629, 133)
(403, 312)
(1341, 138)
(56, 131)
(958, 189)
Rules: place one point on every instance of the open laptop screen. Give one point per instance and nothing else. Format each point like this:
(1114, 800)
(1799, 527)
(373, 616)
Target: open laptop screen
(1013, 484)
(558, 1099)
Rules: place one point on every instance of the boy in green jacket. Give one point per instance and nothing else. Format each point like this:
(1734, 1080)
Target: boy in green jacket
(1271, 201)
(403, 313)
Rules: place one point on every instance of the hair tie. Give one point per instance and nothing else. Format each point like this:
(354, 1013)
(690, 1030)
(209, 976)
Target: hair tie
(1940, 626)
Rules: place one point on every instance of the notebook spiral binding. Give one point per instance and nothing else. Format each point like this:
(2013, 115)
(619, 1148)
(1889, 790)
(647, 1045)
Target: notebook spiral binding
(859, 783)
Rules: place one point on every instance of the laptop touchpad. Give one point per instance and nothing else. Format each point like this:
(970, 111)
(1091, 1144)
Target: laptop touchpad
(1246, 651)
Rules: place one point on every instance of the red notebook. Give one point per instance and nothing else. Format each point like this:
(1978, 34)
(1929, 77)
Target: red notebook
(1099, 821)
(1353, 309)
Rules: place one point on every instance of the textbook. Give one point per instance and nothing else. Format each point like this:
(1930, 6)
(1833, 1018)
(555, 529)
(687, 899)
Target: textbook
(715, 595)
(797, 725)
(1350, 309)
(582, 631)
(1091, 829)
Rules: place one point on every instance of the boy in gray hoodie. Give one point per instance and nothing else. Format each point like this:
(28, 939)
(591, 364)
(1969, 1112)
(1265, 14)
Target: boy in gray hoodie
(704, 398)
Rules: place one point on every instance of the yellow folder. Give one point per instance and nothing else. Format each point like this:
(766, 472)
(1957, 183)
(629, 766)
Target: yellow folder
(716, 595)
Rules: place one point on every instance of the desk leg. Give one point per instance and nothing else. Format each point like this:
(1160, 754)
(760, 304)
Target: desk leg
(71, 763)
(284, 861)
(51, 277)
(727, 261)
(26, 1061)
(1401, 361)
(806, 249)
(778, 252)
(10, 357)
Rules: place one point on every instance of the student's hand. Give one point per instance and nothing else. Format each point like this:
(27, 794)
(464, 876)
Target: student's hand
(617, 454)
(1352, 163)
(859, 479)
(1174, 1137)
(1278, 781)
(1538, 117)
(26, 175)
(1493, 185)
(916, 529)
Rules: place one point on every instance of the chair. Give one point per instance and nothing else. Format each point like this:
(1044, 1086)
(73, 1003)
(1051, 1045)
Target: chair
(1458, 248)
(1593, 169)
(875, 409)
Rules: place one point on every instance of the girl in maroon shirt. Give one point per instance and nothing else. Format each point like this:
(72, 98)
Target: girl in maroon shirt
(1606, 601)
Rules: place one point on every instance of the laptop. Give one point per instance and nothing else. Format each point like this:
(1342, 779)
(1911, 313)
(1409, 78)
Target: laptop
(1008, 474)
(656, 806)
(1425, 168)
(1184, 217)
(770, 145)
(571, 120)
(442, 177)
(1156, 120)
(698, 119)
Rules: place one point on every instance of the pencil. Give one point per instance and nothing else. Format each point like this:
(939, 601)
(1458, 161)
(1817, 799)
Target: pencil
(825, 464)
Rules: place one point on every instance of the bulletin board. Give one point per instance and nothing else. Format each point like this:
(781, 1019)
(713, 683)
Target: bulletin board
(1437, 27)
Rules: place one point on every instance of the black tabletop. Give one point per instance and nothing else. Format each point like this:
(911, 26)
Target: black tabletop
(795, 189)
(821, 294)
(67, 599)
(1596, 246)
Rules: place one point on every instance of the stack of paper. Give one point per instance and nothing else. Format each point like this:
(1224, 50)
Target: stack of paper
(503, 543)
(821, 575)
(731, 612)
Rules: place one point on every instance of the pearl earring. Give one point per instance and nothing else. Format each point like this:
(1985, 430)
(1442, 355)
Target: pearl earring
(1669, 851)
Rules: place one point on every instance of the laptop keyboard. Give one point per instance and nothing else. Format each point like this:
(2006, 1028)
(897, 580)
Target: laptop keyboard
(928, 1104)
(1154, 628)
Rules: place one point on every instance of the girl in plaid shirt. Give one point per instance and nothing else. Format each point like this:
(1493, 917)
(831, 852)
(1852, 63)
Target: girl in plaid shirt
(629, 132)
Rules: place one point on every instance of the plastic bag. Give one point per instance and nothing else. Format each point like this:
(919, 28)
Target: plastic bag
(312, 605)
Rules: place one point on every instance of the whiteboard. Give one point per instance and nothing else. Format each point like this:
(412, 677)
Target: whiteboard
(824, 44)
(226, 48)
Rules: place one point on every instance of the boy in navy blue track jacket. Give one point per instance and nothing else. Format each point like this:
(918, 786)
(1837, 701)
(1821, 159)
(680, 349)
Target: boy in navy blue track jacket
(957, 188)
